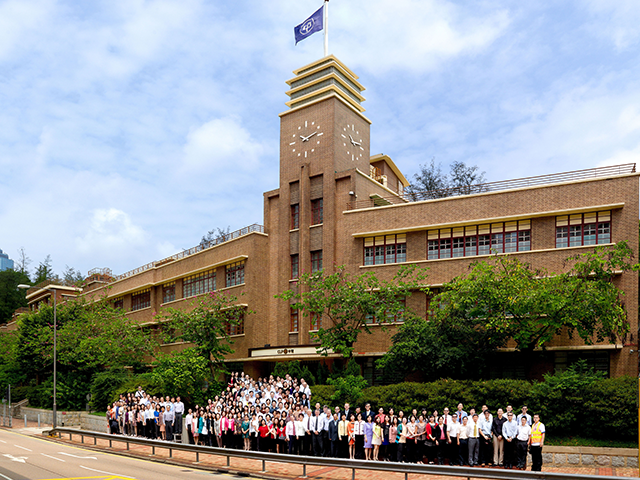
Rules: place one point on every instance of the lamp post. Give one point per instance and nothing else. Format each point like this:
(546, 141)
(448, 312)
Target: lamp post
(53, 289)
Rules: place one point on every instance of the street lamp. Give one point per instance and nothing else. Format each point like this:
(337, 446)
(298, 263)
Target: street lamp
(53, 289)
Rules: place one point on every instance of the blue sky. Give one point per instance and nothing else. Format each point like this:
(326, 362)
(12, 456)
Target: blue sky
(130, 128)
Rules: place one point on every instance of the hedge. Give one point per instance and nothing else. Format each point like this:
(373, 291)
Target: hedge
(566, 407)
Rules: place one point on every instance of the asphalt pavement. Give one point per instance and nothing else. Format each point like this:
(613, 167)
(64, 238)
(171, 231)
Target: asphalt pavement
(23, 457)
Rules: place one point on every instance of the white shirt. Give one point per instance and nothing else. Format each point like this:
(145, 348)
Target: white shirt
(519, 419)
(453, 429)
(179, 407)
(523, 432)
(300, 428)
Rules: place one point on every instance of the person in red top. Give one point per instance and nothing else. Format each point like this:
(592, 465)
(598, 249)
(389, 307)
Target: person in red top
(263, 441)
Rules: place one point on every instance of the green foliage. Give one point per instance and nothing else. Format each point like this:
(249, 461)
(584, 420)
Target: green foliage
(576, 402)
(347, 303)
(447, 347)
(295, 369)
(322, 374)
(205, 325)
(11, 298)
(104, 386)
(348, 389)
(182, 374)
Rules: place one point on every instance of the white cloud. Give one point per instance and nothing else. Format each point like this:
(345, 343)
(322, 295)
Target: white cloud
(616, 20)
(221, 145)
(111, 230)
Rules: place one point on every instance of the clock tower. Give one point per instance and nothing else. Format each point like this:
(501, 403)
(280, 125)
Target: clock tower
(324, 146)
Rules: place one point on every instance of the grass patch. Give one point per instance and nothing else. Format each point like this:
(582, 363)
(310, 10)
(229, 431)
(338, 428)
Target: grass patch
(589, 442)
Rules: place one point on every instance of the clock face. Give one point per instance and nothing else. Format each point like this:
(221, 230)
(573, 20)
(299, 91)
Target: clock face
(352, 142)
(305, 139)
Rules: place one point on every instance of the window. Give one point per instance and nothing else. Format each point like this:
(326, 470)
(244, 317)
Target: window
(168, 292)
(294, 316)
(235, 329)
(315, 320)
(316, 212)
(316, 261)
(583, 229)
(388, 317)
(503, 237)
(295, 266)
(204, 282)
(118, 303)
(141, 300)
(295, 216)
(385, 249)
(235, 274)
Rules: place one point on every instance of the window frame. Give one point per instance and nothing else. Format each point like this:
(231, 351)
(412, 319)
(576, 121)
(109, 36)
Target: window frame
(565, 224)
(478, 240)
(168, 287)
(316, 261)
(382, 243)
(141, 300)
(295, 216)
(295, 266)
(294, 320)
(199, 283)
(234, 274)
(317, 211)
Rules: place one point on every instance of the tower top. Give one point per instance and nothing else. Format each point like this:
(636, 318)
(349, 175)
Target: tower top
(324, 78)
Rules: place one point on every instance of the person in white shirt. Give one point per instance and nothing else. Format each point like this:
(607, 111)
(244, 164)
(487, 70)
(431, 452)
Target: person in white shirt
(524, 414)
(178, 409)
(453, 434)
(524, 433)
(301, 431)
(536, 441)
(188, 420)
(509, 433)
(473, 432)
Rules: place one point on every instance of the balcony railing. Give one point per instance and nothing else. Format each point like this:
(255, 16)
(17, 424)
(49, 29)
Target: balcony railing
(198, 248)
(552, 178)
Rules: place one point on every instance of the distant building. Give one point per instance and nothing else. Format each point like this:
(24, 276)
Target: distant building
(5, 262)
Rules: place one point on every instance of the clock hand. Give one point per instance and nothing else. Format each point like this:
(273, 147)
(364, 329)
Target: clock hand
(353, 142)
(306, 139)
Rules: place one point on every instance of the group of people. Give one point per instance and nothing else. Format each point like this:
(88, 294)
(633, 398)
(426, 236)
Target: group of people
(140, 414)
(276, 415)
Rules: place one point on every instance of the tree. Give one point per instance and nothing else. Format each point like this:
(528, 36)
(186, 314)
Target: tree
(207, 325)
(531, 306)
(182, 374)
(430, 182)
(11, 297)
(352, 303)
(23, 261)
(215, 236)
(72, 277)
(44, 271)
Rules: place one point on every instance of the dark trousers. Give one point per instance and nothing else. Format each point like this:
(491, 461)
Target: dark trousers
(326, 444)
(443, 446)
(169, 430)
(190, 434)
(400, 452)
(486, 450)
(474, 447)
(335, 448)
(317, 443)
(344, 447)
(178, 423)
(305, 447)
(359, 447)
(463, 451)
(536, 458)
(521, 451)
(509, 453)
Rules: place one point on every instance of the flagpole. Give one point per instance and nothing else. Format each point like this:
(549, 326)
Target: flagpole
(326, 28)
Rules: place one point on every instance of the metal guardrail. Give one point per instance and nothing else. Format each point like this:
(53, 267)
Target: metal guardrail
(623, 169)
(198, 248)
(304, 461)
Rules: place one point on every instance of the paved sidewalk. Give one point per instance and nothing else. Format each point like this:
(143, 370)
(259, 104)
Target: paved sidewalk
(293, 471)
(279, 471)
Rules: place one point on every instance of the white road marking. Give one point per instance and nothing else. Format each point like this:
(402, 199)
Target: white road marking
(55, 458)
(77, 456)
(24, 448)
(108, 473)
(4, 476)
(15, 459)
(3, 441)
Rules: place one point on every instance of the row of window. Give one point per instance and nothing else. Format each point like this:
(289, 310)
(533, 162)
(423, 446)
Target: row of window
(583, 229)
(315, 321)
(316, 263)
(491, 238)
(192, 285)
(317, 213)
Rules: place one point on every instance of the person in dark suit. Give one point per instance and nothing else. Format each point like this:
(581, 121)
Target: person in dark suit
(441, 440)
(368, 413)
(346, 412)
(333, 436)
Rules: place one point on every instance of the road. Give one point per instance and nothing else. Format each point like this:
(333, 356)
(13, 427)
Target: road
(28, 458)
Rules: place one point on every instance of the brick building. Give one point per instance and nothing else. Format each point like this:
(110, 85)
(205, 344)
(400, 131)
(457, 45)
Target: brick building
(336, 204)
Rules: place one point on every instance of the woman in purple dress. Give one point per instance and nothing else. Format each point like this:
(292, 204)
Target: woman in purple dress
(368, 436)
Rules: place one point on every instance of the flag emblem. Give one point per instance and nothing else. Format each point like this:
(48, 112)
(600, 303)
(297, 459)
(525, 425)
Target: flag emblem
(310, 26)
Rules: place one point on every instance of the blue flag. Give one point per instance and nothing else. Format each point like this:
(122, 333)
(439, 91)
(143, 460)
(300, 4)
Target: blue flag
(310, 26)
